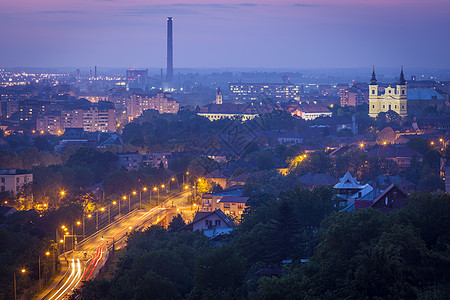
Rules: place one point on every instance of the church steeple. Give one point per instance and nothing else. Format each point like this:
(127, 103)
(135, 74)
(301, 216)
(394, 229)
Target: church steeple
(373, 81)
(402, 80)
(219, 97)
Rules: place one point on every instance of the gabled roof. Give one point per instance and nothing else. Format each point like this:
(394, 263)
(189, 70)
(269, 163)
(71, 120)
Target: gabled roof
(215, 174)
(382, 196)
(394, 151)
(232, 199)
(317, 179)
(200, 215)
(348, 182)
(424, 94)
(243, 177)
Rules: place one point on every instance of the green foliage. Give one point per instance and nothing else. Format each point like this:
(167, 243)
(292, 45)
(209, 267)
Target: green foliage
(176, 223)
(220, 272)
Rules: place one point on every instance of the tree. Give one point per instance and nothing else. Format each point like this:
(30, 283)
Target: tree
(176, 223)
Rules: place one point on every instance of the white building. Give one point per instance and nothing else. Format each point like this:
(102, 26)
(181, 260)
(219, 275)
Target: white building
(11, 181)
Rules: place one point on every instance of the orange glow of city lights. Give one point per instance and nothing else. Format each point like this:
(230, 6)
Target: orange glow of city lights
(47, 253)
(78, 223)
(163, 186)
(441, 140)
(144, 189)
(124, 197)
(155, 188)
(130, 227)
(23, 270)
(432, 143)
(361, 145)
(114, 203)
(102, 209)
(89, 216)
(134, 192)
(173, 179)
(61, 241)
(186, 187)
(62, 193)
(384, 143)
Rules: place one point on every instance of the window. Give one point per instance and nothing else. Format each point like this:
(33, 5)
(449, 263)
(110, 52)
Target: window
(217, 223)
(17, 180)
(389, 91)
(384, 106)
(373, 106)
(3, 188)
(389, 107)
(403, 107)
(3, 179)
(373, 92)
(403, 92)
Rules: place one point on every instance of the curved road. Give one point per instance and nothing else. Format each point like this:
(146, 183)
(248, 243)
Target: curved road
(85, 262)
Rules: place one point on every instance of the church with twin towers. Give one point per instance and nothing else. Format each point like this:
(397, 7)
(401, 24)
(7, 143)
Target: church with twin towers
(398, 98)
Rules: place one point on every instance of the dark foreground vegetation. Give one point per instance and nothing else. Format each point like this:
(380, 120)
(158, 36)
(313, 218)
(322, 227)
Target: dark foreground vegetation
(350, 255)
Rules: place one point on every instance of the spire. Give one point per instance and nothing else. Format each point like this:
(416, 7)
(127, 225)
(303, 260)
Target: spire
(374, 79)
(402, 80)
(218, 91)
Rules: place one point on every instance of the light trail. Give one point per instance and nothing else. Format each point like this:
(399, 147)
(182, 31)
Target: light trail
(74, 278)
(65, 283)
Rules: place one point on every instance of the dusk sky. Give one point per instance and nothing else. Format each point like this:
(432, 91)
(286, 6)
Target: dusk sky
(285, 34)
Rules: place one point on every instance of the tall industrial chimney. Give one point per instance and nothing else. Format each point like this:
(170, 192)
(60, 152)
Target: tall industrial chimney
(169, 76)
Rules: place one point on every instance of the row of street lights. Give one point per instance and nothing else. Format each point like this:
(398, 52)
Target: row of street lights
(23, 271)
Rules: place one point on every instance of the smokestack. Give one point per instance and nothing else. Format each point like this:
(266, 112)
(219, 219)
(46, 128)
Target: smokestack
(95, 72)
(169, 75)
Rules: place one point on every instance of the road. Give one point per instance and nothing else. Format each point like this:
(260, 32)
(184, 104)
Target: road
(90, 254)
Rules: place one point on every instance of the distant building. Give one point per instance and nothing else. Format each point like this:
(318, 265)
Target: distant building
(311, 111)
(160, 102)
(133, 161)
(91, 117)
(12, 181)
(354, 95)
(247, 92)
(402, 100)
(311, 181)
(402, 155)
(215, 111)
(137, 79)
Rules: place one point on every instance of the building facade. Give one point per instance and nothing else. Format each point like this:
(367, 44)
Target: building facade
(11, 181)
(160, 102)
(245, 92)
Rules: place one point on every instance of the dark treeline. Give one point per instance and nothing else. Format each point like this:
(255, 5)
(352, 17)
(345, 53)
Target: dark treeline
(352, 255)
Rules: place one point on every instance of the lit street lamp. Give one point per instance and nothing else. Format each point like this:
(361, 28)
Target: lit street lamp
(15, 285)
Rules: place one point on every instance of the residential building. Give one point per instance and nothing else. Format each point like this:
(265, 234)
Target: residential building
(402, 155)
(133, 161)
(390, 199)
(247, 92)
(354, 95)
(246, 112)
(160, 102)
(210, 223)
(311, 181)
(13, 181)
(91, 117)
(231, 205)
(218, 178)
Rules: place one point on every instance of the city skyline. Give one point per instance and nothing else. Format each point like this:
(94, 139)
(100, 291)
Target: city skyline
(319, 34)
